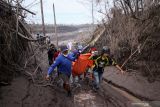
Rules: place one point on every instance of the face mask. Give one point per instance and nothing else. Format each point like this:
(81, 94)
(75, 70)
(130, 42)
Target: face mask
(65, 55)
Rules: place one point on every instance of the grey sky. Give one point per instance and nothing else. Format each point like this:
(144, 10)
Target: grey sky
(67, 11)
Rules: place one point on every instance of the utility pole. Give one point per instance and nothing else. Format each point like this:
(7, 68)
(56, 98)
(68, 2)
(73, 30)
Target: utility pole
(43, 25)
(92, 12)
(55, 25)
(92, 15)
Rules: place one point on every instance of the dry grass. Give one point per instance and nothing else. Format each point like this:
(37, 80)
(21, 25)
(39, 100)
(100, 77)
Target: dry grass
(135, 43)
(14, 49)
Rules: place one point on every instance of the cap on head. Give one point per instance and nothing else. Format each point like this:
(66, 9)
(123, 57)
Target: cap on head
(63, 48)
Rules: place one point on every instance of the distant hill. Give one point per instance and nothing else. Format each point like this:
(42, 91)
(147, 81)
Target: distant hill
(37, 28)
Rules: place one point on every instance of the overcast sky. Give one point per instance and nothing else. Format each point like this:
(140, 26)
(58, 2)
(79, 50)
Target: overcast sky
(67, 11)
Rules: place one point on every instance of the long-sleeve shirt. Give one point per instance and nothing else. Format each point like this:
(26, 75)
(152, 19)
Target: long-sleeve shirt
(64, 64)
(101, 62)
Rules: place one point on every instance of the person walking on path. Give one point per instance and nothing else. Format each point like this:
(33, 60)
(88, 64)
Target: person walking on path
(100, 62)
(52, 50)
(64, 64)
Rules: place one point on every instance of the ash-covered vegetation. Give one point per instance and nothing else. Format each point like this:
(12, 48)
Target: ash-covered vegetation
(132, 31)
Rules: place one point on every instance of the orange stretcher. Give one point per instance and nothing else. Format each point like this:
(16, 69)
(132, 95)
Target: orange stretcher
(81, 64)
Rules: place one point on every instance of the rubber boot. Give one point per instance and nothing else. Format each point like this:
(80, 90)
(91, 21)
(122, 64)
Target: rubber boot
(68, 89)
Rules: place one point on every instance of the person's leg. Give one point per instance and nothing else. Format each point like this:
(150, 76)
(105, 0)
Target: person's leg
(66, 84)
(71, 81)
(76, 79)
(50, 62)
(96, 79)
(100, 77)
(81, 76)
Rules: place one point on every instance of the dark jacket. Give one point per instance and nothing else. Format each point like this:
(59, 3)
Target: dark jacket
(51, 53)
(100, 63)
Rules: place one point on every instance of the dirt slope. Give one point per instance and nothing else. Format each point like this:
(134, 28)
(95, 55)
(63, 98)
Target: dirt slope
(135, 83)
(22, 93)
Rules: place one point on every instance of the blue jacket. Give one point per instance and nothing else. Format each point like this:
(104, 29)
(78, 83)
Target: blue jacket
(64, 64)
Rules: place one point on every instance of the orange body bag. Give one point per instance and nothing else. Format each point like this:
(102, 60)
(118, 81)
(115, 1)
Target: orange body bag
(81, 64)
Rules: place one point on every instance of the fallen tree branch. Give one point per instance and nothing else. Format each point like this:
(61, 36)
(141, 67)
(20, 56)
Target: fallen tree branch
(30, 74)
(4, 83)
(30, 59)
(28, 39)
(96, 38)
(35, 71)
(25, 28)
(44, 85)
(139, 48)
(129, 57)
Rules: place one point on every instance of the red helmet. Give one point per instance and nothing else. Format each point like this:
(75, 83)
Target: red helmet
(92, 49)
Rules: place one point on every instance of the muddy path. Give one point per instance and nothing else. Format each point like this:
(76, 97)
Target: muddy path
(22, 93)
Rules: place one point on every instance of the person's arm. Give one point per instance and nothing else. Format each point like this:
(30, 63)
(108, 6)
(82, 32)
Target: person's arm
(91, 57)
(97, 61)
(85, 48)
(52, 67)
(117, 66)
(73, 56)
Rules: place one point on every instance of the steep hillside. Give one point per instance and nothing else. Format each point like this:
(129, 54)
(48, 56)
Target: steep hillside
(135, 42)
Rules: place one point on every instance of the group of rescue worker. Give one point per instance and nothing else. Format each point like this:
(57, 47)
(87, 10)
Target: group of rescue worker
(74, 63)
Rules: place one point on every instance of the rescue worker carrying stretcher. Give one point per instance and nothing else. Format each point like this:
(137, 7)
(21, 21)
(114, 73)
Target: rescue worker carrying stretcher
(100, 62)
(64, 64)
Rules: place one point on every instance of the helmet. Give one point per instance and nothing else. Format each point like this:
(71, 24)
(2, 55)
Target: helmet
(105, 49)
(92, 49)
(80, 47)
(63, 48)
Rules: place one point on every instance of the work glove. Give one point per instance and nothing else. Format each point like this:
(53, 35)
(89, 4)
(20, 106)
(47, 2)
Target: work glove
(77, 55)
(47, 77)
